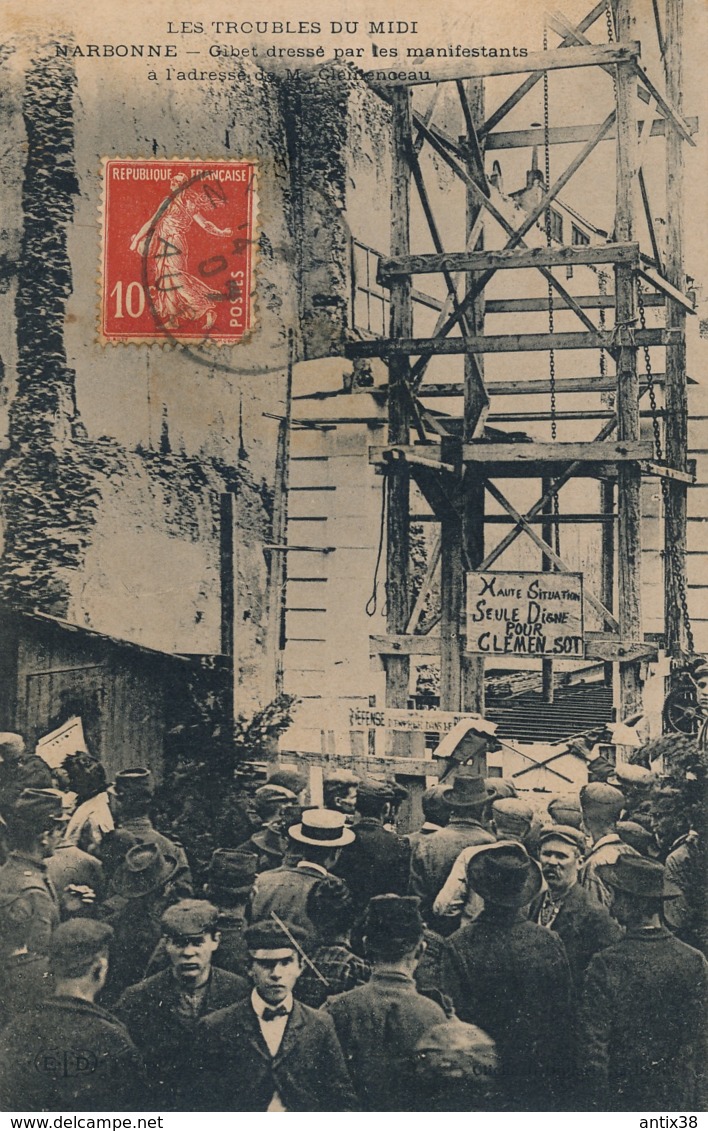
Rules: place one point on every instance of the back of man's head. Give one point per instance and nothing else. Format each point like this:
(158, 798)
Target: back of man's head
(601, 805)
(393, 928)
(75, 946)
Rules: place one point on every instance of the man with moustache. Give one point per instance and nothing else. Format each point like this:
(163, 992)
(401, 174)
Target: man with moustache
(583, 926)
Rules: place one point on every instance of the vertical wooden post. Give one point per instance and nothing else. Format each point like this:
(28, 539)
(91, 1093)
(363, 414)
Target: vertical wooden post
(472, 534)
(278, 559)
(607, 582)
(398, 475)
(676, 418)
(547, 535)
(628, 475)
(229, 594)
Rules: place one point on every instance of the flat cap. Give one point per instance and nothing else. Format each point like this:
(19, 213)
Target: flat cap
(268, 935)
(629, 774)
(290, 779)
(232, 870)
(269, 792)
(189, 917)
(379, 790)
(599, 795)
(512, 814)
(566, 811)
(12, 746)
(568, 833)
(75, 943)
(38, 808)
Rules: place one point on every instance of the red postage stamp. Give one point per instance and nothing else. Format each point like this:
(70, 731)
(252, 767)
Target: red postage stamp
(178, 244)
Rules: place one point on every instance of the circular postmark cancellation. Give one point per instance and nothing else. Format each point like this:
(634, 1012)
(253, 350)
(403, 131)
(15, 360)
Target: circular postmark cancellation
(178, 245)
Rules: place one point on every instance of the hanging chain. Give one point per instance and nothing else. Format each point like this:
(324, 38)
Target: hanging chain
(674, 550)
(610, 22)
(551, 310)
(602, 287)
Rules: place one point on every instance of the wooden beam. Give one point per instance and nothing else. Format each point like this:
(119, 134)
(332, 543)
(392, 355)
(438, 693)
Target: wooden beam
(397, 485)
(567, 135)
(668, 110)
(400, 644)
(548, 551)
(671, 473)
(412, 456)
(507, 259)
(678, 634)
(609, 451)
(502, 343)
(528, 84)
(587, 302)
(534, 388)
(424, 591)
(629, 545)
(666, 288)
(444, 70)
(615, 648)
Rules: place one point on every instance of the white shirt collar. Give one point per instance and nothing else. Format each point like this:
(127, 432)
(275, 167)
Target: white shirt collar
(312, 867)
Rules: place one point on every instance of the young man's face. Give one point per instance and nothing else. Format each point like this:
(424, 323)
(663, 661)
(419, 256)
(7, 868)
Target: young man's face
(346, 802)
(559, 863)
(702, 692)
(191, 957)
(274, 973)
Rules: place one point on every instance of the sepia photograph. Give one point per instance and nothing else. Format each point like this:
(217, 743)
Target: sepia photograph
(353, 560)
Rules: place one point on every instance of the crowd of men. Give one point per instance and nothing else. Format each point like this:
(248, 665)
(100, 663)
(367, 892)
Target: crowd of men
(498, 958)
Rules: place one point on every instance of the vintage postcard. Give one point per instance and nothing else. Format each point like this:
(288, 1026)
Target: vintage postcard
(353, 545)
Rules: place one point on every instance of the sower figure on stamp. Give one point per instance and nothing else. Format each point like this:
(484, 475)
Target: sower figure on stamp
(69, 1054)
(178, 295)
(162, 1012)
(643, 1018)
(270, 1052)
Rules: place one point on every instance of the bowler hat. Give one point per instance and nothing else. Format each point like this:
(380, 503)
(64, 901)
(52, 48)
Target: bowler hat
(269, 840)
(138, 779)
(269, 935)
(392, 925)
(232, 871)
(75, 943)
(189, 917)
(568, 833)
(37, 808)
(638, 876)
(468, 791)
(323, 827)
(145, 869)
(504, 874)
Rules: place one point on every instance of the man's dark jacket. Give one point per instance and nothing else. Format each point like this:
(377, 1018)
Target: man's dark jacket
(642, 1025)
(237, 1072)
(69, 1055)
(511, 978)
(376, 863)
(149, 1011)
(583, 927)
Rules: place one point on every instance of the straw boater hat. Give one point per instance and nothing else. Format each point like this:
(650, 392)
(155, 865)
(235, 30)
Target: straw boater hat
(504, 874)
(324, 828)
(638, 876)
(468, 791)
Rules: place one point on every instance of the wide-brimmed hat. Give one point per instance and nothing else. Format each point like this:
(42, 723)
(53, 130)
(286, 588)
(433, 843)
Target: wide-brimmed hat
(233, 871)
(145, 869)
(325, 828)
(638, 876)
(468, 791)
(270, 840)
(504, 873)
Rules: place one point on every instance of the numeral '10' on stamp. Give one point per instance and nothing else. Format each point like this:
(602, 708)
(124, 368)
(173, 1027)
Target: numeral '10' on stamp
(178, 243)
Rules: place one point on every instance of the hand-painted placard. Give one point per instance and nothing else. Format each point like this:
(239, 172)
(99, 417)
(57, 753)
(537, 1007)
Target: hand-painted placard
(525, 614)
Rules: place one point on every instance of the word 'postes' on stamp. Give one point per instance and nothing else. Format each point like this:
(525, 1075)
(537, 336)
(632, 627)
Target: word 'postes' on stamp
(177, 250)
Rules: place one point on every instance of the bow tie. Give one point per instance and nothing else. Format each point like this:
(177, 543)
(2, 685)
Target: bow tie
(271, 1014)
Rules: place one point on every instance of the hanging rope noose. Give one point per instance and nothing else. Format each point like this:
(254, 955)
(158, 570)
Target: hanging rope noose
(372, 604)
